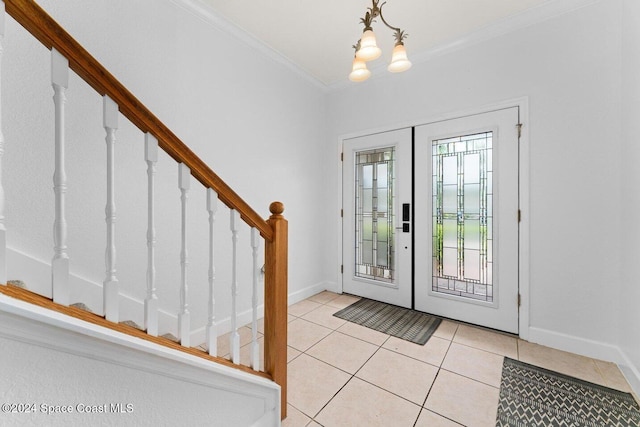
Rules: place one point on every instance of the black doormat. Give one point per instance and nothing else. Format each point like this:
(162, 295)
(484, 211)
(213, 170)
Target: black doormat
(533, 396)
(399, 322)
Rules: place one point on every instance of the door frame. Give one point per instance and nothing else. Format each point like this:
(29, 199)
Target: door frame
(524, 253)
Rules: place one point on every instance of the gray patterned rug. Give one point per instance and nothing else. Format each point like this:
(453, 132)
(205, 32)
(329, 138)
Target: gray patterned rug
(533, 396)
(399, 322)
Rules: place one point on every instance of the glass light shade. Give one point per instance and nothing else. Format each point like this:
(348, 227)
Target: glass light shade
(369, 49)
(359, 71)
(399, 61)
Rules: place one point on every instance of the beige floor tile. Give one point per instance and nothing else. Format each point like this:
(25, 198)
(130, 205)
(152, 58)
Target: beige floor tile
(324, 297)
(313, 424)
(463, 400)
(261, 323)
(303, 334)
(366, 334)
(613, 378)
(245, 354)
(560, 361)
(343, 352)
(323, 316)
(295, 418)
(487, 340)
(224, 341)
(432, 352)
(312, 383)
(303, 307)
(430, 419)
(343, 301)
(399, 374)
(292, 353)
(476, 364)
(446, 330)
(362, 404)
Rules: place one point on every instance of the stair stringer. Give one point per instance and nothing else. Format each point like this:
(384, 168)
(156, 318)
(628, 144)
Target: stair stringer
(67, 338)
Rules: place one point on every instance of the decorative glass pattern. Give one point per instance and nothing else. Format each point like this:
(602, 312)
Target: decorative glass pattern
(463, 216)
(374, 217)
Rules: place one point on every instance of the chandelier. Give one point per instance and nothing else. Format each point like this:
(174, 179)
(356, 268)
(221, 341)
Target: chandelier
(367, 49)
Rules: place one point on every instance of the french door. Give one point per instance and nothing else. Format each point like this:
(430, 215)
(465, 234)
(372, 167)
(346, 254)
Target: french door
(431, 218)
(376, 200)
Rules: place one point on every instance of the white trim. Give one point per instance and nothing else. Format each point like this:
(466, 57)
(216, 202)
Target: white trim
(208, 15)
(24, 322)
(588, 348)
(509, 24)
(307, 292)
(244, 318)
(506, 25)
(524, 253)
(36, 274)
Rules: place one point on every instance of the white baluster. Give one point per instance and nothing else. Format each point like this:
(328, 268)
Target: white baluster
(235, 336)
(184, 327)
(110, 284)
(60, 262)
(3, 229)
(212, 329)
(255, 348)
(151, 301)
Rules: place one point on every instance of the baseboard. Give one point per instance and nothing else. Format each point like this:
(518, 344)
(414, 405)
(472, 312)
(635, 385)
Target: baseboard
(589, 348)
(245, 317)
(37, 275)
(307, 292)
(334, 287)
(631, 373)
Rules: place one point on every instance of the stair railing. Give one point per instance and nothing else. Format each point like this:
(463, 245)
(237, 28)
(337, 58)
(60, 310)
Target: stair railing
(67, 54)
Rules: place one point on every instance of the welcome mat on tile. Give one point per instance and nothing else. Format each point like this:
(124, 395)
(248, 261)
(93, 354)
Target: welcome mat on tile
(399, 322)
(533, 396)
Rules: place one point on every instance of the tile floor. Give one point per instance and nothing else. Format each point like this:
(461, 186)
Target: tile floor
(343, 374)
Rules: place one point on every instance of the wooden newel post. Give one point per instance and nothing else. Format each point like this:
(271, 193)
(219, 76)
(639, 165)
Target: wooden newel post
(275, 302)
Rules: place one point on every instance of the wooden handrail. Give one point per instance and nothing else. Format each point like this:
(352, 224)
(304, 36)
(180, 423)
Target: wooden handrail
(44, 28)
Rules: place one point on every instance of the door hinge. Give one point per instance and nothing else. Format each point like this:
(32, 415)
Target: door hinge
(519, 215)
(341, 213)
(519, 300)
(342, 157)
(342, 269)
(519, 126)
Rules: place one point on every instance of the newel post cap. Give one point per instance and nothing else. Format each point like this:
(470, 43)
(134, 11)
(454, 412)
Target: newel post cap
(276, 208)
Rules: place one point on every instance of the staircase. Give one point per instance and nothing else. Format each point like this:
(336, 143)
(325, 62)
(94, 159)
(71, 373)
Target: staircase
(193, 175)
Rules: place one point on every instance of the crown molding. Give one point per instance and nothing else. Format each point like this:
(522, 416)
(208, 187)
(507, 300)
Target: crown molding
(526, 18)
(208, 15)
(509, 24)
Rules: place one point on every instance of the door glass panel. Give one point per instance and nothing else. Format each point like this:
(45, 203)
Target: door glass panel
(462, 216)
(374, 228)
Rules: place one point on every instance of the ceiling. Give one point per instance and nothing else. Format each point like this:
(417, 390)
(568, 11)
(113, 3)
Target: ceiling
(317, 35)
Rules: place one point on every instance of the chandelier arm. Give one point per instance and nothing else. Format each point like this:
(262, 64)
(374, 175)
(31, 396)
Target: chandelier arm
(396, 29)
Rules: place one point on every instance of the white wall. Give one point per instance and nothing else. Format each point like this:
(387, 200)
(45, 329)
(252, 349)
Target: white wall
(570, 69)
(630, 114)
(256, 122)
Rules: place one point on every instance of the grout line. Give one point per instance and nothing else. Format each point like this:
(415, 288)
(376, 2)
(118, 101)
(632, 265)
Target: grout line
(469, 378)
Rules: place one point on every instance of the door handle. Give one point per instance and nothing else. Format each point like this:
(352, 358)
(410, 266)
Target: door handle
(405, 227)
